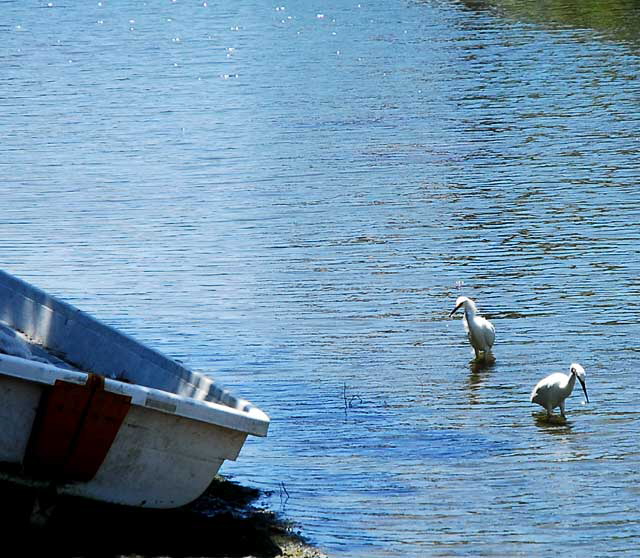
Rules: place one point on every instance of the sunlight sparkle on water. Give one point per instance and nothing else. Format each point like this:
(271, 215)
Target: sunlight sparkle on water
(493, 151)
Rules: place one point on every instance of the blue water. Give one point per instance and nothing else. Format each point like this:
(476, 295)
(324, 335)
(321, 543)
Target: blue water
(291, 197)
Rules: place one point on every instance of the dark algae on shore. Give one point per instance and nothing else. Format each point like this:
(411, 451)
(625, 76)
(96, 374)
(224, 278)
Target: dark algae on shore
(227, 521)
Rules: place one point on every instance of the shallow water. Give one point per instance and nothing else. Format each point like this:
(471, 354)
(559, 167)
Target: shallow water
(292, 196)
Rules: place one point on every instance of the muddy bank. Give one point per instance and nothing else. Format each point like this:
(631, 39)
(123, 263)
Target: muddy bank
(226, 521)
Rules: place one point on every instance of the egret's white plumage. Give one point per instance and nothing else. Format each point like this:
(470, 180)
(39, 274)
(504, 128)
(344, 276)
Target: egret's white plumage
(480, 331)
(550, 392)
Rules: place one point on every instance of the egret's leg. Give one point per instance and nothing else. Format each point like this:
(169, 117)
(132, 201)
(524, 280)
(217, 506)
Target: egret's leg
(562, 410)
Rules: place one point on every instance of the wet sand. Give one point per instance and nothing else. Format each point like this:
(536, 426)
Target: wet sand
(226, 521)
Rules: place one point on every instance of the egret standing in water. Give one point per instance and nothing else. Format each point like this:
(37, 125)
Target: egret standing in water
(550, 392)
(480, 331)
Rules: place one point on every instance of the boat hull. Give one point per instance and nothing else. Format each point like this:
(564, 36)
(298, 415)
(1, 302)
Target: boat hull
(113, 436)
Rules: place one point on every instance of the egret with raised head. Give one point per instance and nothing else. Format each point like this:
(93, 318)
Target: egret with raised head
(480, 331)
(550, 392)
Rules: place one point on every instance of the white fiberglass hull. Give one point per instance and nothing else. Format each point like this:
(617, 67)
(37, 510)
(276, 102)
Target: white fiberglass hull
(118, 421)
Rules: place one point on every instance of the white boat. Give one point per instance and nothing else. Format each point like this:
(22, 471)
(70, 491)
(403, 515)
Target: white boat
(87, 411)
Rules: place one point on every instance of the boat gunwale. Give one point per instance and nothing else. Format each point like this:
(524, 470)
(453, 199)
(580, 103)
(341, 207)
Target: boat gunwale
(215, 406)
(249, 419)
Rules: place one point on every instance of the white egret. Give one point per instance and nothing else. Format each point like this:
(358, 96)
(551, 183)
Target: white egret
(550, 392)
(480, 331)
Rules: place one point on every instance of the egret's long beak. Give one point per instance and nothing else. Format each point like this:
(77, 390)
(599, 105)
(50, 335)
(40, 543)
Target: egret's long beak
(455, 309)
(584, 388)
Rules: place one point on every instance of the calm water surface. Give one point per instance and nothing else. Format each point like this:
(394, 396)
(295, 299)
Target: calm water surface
(291, 196)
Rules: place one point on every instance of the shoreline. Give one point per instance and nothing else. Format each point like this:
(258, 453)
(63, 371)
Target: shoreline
(224, 522)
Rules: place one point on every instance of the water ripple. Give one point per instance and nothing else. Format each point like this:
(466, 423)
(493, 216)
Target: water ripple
(221, 184)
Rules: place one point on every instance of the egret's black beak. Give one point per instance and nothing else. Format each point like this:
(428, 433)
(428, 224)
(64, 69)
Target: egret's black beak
(455, 309)
(584, 388)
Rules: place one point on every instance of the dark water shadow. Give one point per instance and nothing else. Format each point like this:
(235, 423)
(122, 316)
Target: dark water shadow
(223, 522)
(616, 19)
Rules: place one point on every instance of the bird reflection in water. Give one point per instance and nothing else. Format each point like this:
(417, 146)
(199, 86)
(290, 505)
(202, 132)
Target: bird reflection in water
(554, 424)
(479, 372)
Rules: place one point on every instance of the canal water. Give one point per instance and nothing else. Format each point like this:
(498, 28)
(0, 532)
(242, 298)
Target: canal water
(290, 196)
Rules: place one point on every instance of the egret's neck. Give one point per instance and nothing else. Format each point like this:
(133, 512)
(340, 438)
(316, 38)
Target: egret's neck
(469, 311)
(571, 382)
